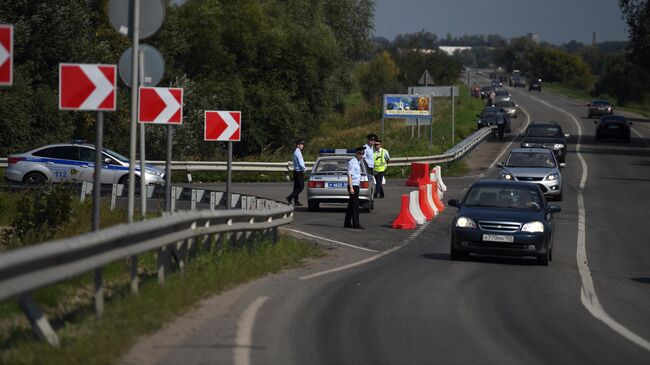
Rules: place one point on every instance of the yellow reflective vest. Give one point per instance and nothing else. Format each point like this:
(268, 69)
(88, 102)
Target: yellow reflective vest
(380, 160)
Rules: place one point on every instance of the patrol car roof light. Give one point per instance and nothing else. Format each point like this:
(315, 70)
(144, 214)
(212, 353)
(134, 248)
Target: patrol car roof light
(336, 151)
(78, 141)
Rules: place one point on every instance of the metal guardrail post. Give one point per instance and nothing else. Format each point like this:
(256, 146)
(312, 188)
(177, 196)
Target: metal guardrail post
(113, 196)
(37, 319)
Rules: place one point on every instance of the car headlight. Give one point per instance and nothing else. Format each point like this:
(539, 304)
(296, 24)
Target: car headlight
(465, 222)
(506, 176)
(558, 146)
(526, 144)
(553, 177)
(533, 227)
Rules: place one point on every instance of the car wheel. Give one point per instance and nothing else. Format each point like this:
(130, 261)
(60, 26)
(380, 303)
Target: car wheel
(312, 205)
(544, 259)
(550, 254)
(455, 255)
(372, 204)
(366, 207)
(559, 197)
(124, 180)
(627, 139)
(35, 178)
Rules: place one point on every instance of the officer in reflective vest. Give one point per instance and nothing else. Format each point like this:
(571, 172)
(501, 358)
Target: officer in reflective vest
(381, 161)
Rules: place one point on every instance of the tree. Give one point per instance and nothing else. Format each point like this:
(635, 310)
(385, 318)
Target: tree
(637, 15)
(378, 77)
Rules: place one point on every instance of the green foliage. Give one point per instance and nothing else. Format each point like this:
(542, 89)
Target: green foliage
(624, 79)
(44, 211)
(378, 77)
(637, 15)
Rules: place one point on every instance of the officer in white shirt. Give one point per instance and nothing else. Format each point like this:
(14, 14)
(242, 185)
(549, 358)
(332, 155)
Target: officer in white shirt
(354, 181)
(298, 173)
(369, 153)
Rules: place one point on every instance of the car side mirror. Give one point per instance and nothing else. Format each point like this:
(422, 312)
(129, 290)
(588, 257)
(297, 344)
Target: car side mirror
(478, 115)
(499, 165)
(554, 208)
(453, 203)
(562, 165)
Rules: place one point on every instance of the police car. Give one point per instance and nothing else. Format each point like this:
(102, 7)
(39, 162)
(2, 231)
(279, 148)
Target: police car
(74, 162)
(328, 181)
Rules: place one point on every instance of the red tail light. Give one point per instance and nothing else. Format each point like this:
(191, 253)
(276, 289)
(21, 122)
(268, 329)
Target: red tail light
(316, 184)
(364, 185)
(13, 160)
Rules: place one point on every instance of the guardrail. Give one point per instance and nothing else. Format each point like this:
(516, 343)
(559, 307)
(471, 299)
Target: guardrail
(176, 236)
(452, 154)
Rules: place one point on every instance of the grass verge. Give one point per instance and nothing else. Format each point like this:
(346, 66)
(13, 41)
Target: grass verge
(85, 340)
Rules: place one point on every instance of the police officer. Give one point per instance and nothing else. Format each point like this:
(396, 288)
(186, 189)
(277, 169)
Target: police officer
(354, 180)
(298, 173)
(369, 155)
(381, 158)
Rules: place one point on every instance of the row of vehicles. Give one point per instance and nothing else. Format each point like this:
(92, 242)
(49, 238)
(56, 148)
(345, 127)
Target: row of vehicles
(609, 125)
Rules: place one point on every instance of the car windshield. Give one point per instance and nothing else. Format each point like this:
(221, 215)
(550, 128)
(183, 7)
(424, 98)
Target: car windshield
(502, 93)
(543, 131)
(505, 104)
(504, 197)
(600, 103)
(489, 113)
(530, 159)
(116, 155)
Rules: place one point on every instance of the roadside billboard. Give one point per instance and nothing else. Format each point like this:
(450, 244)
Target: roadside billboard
(407, 106)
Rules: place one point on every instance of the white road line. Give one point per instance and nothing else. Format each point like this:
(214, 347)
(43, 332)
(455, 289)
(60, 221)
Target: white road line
(369, 259)
(507, 147)
(242, 354)
(329, 240)
(640, 136)
(588, 295)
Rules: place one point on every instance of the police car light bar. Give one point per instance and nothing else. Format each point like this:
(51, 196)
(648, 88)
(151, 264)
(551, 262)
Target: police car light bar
(336, 151)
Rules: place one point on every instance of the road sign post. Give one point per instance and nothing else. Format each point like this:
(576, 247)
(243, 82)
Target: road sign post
(223, 126)
(91, 87)
(161, 105)
(6, 54)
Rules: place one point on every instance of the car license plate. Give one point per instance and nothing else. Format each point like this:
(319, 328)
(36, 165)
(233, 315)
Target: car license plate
(613, 127)
(336, 185)
(498, 238)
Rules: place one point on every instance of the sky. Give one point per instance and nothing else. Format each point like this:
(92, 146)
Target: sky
(555, 21)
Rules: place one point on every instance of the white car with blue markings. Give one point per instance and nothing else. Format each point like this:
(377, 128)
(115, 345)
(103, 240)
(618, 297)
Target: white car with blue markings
(74, 162)
(328, 181)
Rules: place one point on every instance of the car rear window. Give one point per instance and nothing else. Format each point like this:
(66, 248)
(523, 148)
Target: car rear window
(332, 166)
(530, 159)
(600, 103)
(543, 131)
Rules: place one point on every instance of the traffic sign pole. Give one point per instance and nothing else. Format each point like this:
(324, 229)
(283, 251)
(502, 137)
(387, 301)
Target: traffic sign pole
(143, 178)
(229, 178)
(134, 108)
(168, 170)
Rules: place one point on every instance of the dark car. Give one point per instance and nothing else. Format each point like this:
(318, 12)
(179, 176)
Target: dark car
(498, 217)
(485, 91)
(546, 135)
(599, 107)
(613, 127)
(535, 84)
(493, 116)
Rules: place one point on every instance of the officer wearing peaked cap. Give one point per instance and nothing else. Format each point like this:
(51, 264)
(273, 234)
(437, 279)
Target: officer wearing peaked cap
(299, 169)
(354, 181)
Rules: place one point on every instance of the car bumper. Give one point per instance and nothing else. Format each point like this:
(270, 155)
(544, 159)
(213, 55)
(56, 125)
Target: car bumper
(471, 240)
(14, 175)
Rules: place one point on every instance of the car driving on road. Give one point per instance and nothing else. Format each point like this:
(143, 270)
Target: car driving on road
(74, 162)
(536, 165)
(502, 95)
(546, 135)
(599, 107)
(535, 84)
(492, 116)
(499, 217)
(613, 127)
(328, 181)
(509, 106)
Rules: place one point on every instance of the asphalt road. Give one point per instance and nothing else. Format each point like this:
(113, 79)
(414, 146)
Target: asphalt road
(409, 304)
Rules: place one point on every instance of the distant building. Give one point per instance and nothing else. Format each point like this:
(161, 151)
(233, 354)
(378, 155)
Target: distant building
(533, 36)
(450, 50)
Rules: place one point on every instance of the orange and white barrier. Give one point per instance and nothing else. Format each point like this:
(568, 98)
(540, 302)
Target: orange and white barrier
(430, 199)
(414, 207)
(423, 200)
(436, 198)
(436, 175)
(404, 220)
(419, 174)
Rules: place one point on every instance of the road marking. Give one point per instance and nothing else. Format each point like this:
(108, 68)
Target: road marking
(369, 259)
(507, 147)
(640, 136)
(244, 342)
(329, 240)
(588, 295)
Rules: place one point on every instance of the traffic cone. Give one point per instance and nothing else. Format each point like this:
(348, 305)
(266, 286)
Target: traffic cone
(404, 220)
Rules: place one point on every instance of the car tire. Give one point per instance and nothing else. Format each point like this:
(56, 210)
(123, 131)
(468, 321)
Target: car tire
(559, 197)
(367, 208)
(597, 137)
(124, 180)
(455, 255)
(544, 259)
(550, 254)
(34, 178)
(312, 205)
(627, 139)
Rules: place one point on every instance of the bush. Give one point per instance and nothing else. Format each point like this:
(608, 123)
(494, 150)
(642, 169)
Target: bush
(43, 211)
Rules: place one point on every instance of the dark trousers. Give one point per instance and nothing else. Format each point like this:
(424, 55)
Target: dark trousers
(298, 185)
(352, 213)
(379, 188)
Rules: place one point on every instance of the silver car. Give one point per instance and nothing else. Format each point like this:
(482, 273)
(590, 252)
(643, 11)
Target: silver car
(328, 183)
(537, 165)
(74, 162)
(501, 95)
(509, 106)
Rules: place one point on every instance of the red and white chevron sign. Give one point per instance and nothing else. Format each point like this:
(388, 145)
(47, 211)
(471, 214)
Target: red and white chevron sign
(87, 86)
(160, 105)
(222, 126)
(6, 54)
